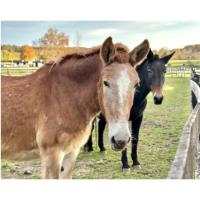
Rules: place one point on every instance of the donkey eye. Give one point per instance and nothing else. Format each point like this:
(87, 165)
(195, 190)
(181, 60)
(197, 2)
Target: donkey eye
(149, 70)
(106, 84)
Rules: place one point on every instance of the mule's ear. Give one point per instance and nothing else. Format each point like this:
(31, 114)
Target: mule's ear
(107, 50)
(193, 70)
(139, 53)
(167, 58)
(150, 55)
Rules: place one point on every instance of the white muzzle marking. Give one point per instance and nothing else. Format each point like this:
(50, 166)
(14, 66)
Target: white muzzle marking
(120, 131)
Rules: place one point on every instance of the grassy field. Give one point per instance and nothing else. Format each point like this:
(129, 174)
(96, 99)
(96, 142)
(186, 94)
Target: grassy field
(159, 137)
(185, 62)
(17, 71)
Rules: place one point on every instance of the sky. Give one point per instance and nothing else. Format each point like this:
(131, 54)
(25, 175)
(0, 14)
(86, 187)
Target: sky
(170, 34)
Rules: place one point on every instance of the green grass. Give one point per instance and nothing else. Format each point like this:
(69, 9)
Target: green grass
(185, 62)
(159, 138)
(17, 71)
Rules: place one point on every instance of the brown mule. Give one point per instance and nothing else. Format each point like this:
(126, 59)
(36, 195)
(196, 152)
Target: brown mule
(55, 106)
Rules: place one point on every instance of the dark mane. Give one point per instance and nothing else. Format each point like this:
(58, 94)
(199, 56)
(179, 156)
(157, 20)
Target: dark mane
(79, 55)
(122, 55)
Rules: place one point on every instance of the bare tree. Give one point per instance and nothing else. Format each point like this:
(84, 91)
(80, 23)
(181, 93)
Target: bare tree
(78, 39)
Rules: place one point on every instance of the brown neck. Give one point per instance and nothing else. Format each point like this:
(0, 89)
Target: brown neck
(74, 88)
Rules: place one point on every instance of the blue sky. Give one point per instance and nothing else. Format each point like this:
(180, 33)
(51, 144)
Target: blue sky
(171, 34)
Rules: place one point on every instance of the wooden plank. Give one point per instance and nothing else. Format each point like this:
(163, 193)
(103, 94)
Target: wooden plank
(183, 166)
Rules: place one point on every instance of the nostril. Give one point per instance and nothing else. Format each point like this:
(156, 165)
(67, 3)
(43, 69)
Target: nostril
(158, 100)
(129, 139)
(113, 140)
(121, 143)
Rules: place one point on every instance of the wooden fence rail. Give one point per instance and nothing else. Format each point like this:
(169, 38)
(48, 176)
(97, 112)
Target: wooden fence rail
(178, 71)
(181, 71)
(184, 164)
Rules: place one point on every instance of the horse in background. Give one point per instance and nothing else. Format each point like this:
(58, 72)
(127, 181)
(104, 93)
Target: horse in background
(195, 87)
(152, 76)
(196, 78)
(54, 107)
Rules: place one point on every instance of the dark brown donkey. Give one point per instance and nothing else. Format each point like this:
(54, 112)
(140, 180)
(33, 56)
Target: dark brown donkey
(55, 106)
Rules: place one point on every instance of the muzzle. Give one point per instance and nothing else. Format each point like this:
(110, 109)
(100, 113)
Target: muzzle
(119, 144)
(158, 100)
(157, 95)
(119, 134)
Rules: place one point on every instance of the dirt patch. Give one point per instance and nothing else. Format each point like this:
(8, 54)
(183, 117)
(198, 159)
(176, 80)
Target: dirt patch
(151, 124)
(83, 167)
(20, 169)
(32, 169)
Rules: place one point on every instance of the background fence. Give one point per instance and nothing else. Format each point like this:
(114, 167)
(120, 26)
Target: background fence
(172, 71)
(182, 70)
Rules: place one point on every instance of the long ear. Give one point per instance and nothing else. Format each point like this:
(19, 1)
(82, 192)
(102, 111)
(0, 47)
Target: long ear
(150, 55)
(193, 70)
(167, 58)
(139, 53)
(107, 50)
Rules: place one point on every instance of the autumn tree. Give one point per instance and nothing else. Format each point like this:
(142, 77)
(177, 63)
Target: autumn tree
(10, 52)
(163, 52)
(27, 53)
(178, 54)
(52, 44)
(78, 39)
(11, 55)
(52, 39)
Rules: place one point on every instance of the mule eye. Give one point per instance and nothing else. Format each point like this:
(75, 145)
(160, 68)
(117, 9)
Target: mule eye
(106, 84)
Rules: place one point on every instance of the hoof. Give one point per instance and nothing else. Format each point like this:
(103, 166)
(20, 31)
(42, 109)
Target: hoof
(125, 170)
(88, 152)
(27, 172)
(103, 152)
(136, 167)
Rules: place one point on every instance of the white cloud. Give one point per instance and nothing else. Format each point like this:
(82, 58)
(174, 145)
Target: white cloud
(158, 25)
(104, 31)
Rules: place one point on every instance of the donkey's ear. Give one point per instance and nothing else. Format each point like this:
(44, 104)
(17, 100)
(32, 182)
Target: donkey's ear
(107, 50)
(167, 58)
(139, 53)
(150, 55)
